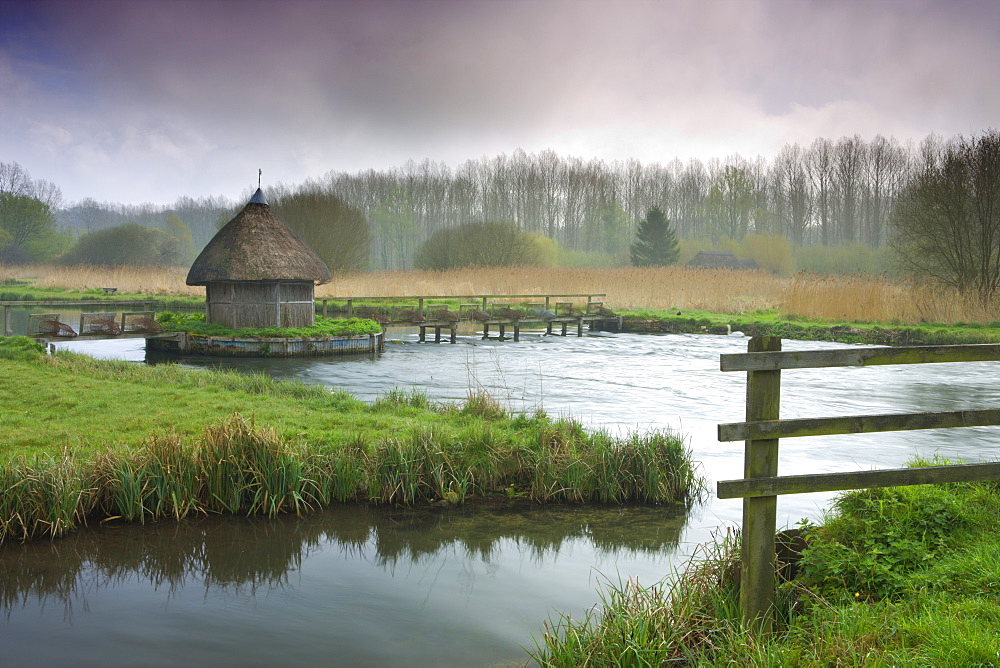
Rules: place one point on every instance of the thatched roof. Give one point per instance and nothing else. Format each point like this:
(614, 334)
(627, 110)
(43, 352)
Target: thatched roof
(715, 259)
(256, 245)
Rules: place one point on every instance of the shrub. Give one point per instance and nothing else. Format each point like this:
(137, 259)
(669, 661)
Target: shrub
(128, 244)
(492, 244)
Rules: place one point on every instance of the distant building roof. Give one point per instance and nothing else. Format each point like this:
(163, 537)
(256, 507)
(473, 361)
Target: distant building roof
(256, 245)
(715, 259)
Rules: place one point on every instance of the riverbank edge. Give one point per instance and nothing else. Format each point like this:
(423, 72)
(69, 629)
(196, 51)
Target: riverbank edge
(868, 333)
(445, 455)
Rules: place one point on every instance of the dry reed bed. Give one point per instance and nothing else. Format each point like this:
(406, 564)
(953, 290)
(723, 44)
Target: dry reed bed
(835, 298)
(128, 279)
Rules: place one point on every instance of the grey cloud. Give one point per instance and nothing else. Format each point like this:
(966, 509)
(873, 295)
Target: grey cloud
(186, 93)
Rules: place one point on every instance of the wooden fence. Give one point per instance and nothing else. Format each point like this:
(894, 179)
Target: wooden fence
(762, 430)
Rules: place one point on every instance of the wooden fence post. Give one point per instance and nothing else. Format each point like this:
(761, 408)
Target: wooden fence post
(759, 514)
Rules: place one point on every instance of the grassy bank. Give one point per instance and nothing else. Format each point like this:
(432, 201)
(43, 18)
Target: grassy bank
(87, 439)
(769, 322)
(37, 290)
(898, 576)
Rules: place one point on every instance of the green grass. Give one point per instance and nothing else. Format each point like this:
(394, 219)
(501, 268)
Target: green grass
(769, 322)
(897, 576)
(87, 438)
(15, 290)
(194, 323)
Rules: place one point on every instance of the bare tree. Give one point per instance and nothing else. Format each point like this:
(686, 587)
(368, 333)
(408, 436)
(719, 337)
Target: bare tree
(27, 210)
(820, 166)
(792, 195)
(337, 231)
(888, 167)
(947, 222)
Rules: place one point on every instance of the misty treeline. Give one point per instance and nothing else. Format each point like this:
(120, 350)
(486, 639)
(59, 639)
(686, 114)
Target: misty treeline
(832, 193)
(35, 227)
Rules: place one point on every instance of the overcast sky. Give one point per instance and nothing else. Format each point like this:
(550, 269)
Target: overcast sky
(146, 101)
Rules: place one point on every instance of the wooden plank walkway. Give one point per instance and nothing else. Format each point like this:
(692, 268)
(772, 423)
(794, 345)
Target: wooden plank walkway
(422, 311)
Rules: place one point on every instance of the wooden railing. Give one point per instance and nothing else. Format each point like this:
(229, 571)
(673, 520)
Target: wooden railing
(421, 300)
(762, 430)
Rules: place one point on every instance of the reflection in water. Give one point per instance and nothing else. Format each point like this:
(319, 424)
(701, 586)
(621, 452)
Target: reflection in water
(480, 571)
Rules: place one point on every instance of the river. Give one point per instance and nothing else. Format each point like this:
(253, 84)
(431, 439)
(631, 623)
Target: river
(466, 586)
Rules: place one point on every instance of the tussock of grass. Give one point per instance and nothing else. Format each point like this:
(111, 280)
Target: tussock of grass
(666, 623)
(897, 576)
(20, 349)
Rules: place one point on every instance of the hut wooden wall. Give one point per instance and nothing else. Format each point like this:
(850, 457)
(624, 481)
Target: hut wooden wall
(298, 308)
(258, 304)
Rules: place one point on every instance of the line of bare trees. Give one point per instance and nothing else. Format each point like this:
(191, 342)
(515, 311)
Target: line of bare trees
(830, 192)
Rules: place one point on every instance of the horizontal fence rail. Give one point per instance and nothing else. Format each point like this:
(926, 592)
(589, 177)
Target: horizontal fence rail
(857, 424)
(816, 359)
(761, 484)
(835, 482)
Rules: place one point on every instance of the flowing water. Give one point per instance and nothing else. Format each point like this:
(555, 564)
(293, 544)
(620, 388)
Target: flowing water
(465, 586)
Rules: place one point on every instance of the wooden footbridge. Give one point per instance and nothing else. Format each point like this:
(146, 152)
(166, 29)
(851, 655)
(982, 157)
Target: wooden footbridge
(499, 312)
(442, 313)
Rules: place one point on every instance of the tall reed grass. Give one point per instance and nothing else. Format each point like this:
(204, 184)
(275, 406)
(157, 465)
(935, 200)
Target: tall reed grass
(670, 623)
(855, 298)
(128, 279)
(238, 467)
(839, 298)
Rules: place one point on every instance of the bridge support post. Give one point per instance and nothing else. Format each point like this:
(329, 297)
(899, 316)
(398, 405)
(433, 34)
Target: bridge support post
(579, 327)
(517, 331)
(454, 333)
(486, 331)
(564, 329)
(503, 331)
(437, 335)
(423, 334)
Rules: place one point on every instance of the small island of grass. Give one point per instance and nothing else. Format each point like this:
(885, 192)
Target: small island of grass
(325, 337)
(194, 323)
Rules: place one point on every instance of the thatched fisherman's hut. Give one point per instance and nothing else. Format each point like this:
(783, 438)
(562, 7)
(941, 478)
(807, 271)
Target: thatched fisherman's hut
(257, 272)
(717, 259)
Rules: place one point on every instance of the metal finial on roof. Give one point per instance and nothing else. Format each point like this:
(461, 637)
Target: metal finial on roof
(258, 197)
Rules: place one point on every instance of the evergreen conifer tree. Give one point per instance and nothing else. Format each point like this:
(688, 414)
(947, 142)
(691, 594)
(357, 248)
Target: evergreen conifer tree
(655, 243)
